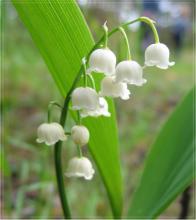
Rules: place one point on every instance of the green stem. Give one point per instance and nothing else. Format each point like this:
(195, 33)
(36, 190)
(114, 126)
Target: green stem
(127, 42)
(49, 115)
(79, 118)
(140, 19)
(92, 81)
(60, 180)
(58, 145)
(105, 35)
(51, 104)
(79, 151)
(68, 133)
(151, 24)
(57, 154)
(84, 69)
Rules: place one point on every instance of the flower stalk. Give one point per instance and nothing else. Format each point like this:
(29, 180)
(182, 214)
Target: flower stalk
(79, 151)
(79, 118)
(51, 104)
(127, 42)
(58, 150)
(63, 117)
(84, 71)
(150, 22)
(105, 28)
(91, 81)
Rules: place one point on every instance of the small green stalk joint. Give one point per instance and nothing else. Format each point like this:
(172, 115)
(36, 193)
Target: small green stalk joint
(68, 133)
(121, 29)
(151, 23)
(105, 28)
(84, 71)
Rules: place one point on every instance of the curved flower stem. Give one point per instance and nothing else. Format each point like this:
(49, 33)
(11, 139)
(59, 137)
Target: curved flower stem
(79, 117)
(51, 104)
(63, 117)
(105, 35)
(150, 22)
(140, 19)
(84, 71)
(92, 81)
(127, 42)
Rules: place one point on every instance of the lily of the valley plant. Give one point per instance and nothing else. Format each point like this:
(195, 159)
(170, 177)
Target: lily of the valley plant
(87, 101)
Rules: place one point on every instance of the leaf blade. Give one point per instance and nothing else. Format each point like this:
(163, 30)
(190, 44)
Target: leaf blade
(173, 147)
(63, 38)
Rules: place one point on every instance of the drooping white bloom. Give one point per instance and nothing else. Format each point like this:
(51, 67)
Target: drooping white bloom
(158, 55)
(84, 98)
(80, 167)
(130, 72)
(80, 135)
(50, 133)
(102, 110)
(102, 61)
(114, 89)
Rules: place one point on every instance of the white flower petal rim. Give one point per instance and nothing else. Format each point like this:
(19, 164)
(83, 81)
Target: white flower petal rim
(157, 64)
(102, 61)
(114, 89)
(140, 82)
(102, 110)
(80, 167)
(158, 55)
(50, 133)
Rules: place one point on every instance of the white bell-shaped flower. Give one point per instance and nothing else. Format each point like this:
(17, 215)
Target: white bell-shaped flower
(102, 61)
(80, 167)
(130, 72)
(102, 110)
(158, 55)
(84, 98)
(50, 133)
(80, 135)
(114, 89)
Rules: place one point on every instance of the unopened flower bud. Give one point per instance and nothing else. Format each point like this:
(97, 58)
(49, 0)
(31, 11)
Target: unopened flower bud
(80, 135)
(50, 133)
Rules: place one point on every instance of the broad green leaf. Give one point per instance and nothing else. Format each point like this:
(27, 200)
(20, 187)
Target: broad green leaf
(169, 166)
(63, 38)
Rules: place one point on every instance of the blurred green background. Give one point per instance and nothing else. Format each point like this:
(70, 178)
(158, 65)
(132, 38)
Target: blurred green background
(28, 185)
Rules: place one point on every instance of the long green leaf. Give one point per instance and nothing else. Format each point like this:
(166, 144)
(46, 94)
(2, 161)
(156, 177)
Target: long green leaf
(63, 38)
(169, 167)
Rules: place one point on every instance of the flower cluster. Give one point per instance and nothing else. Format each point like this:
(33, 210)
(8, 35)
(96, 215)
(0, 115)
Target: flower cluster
(117, 78)
(51, 133)
(88, 102)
